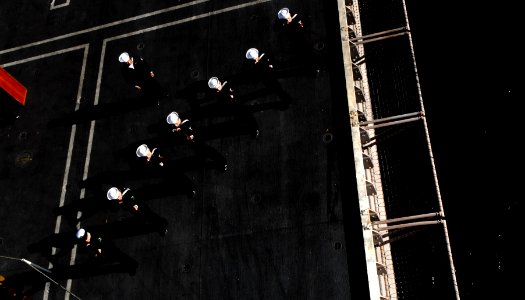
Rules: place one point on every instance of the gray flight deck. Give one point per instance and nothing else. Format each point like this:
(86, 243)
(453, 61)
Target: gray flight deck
(281, 223)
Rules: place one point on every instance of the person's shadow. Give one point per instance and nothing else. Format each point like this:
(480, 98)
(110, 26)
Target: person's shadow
(86, 206)
(204, 102)
(102, 111)
(65, 241)
(172, 183)
(237, 125)
(172, 171)
(93, 268)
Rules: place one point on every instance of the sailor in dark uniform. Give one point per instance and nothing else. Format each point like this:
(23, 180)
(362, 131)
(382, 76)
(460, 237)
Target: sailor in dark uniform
(149, 157)
(102, 248)
(260, 64)
(288, 23)
(203, 151)
(181, 127)
(204, 102)
(125, 198)
(225, 92)
(138, 73)
(261, 68)
(229, 98)
(152, 161)
(293, 40)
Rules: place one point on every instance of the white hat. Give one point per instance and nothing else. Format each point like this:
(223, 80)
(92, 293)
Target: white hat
(213, 83)
(142, 150)
(124, 57)
(252, 53)
(283, 14)
(172, 117)
(81, 233)
(113, 193)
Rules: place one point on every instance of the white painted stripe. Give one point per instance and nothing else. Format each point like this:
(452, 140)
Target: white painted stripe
(71, 262)
(99, 75)
(60, 37)
(82, 191)
(17, 62)
(201, 16)
(71, 137)
(53, 6)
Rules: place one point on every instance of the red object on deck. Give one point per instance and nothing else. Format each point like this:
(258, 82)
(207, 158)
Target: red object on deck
(14, 88)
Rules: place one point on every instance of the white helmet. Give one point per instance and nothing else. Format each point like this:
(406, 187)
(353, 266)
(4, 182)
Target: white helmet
(124, 57)
(113, 193)
(283, 14)
(213, 83)
(172, 117)
(142, 150)
(252, 53)
(81, 233)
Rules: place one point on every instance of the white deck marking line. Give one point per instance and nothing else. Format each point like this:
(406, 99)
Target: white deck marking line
(53, 6)
(82, 191)
(82, 194)
(161, 11)
(71, 135)
(201, 16)
(17, 62)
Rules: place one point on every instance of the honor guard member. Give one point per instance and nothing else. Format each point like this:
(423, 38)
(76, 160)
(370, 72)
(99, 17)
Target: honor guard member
(287, 22)
(181, 126)
(200, 148)
(154, 161)
(228, 95)
(292, 31)
(138, 73)
(259, 62)
(262, 68)
(101, 247)
(294, 41)
(224, 94)
(89, 242)
(149, 157)
(125, 198)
